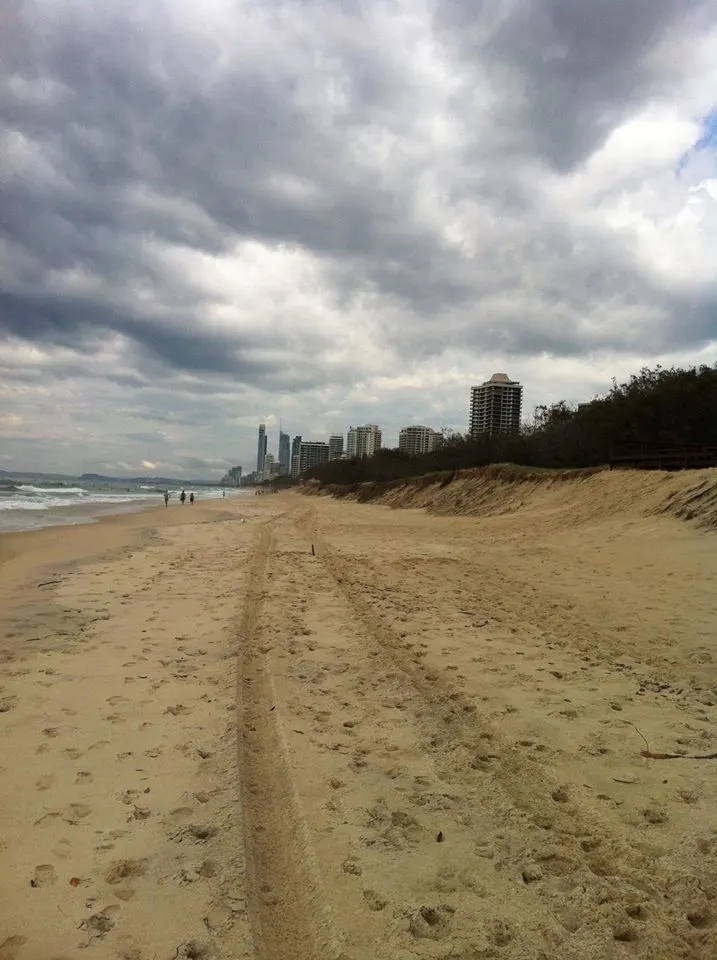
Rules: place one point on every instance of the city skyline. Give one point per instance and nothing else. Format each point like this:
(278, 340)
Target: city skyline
(495, 406)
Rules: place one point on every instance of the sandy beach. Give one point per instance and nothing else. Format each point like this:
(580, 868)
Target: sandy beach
(296, 727)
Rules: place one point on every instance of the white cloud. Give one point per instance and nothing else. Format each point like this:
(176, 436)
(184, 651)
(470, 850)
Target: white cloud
(232, 212)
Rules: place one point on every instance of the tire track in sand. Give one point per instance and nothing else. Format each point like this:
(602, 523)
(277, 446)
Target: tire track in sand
(592, 844)
(289, 916)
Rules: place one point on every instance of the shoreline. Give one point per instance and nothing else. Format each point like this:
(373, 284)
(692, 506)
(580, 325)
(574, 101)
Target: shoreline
(30, 554)
(25, 519)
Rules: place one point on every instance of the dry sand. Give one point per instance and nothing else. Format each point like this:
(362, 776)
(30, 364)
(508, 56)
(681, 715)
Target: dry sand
(294, 728)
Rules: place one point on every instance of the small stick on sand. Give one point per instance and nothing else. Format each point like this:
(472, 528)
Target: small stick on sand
(672, 756)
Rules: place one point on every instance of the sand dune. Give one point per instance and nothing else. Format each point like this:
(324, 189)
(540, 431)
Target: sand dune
(571, 495)
(305, 728)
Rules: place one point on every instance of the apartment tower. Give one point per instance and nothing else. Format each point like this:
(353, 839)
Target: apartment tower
(496, 406)
(363, 441)
(336, 446)
(416, 440)
(311, 455)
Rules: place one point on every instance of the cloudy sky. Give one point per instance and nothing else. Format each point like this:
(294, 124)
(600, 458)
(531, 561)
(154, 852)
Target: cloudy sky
(328, 212)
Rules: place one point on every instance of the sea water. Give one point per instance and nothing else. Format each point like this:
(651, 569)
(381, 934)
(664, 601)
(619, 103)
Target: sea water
(31, 503)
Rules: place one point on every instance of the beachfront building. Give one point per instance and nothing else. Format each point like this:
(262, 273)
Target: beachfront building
(295, 447)
(363, 441)
(416, 440)
(312, 455)
(271, 467)
(261, 448)
(232, 478)
(336, 446)
(284, 453)
(496, 406)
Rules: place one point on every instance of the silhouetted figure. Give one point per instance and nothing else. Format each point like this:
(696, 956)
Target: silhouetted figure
(182, 497)
(166, 498)
(191, 498)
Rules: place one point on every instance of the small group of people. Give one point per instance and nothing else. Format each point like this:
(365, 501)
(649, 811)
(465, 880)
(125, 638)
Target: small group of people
(182, 497)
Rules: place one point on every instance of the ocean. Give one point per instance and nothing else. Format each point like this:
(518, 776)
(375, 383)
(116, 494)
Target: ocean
(30, 503)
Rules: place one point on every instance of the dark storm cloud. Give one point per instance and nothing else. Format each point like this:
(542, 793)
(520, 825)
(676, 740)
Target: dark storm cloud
(124, 128)
(66, 322)
(572, 70)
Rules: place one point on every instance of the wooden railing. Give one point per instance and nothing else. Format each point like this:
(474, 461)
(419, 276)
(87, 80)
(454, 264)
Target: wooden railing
(648, 456)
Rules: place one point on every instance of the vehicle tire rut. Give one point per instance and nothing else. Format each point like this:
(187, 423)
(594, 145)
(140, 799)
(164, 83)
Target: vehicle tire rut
(289, 915)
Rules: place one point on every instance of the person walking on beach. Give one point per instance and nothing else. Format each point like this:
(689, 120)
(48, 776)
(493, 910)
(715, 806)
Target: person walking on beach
(191, 498)
(166, 498)
(182, 497)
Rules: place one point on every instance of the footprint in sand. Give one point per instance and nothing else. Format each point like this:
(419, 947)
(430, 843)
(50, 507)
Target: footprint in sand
(120, 870)
(10, 947)
(44, 876)
(84, 776)
(76, 812)
(44, 783)
(98, 925)
(47, 818)
(178, 710)
(62, 849)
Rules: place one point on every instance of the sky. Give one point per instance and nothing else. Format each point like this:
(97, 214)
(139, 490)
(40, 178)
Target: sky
(333, 212)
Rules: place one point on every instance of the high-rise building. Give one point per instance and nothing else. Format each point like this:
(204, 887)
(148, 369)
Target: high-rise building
(336, 446)
(363, 441)
(270, 466)
(284, 452)
(232, 478)
(415, 440)
(311, 455)
(295, 446)
(261, 448)
(495, 406)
